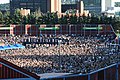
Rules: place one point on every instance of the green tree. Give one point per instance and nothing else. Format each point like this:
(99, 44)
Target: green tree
(116, 23)
(38, 13)
(31, 18)
(39, 20)
(25, 20)
(73, 19)
(1, 18)
(17, 17)
(7, 18)
(79, 21)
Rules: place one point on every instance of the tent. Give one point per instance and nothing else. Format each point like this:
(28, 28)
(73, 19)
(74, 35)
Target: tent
(15, 46)
(1, 48)
(12, 46)
(19, 46)
(6, 47)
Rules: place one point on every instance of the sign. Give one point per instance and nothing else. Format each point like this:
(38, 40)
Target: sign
(49, 28)
(92, 28)
(6, 28)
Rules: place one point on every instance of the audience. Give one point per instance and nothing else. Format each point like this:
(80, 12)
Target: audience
(78, 54)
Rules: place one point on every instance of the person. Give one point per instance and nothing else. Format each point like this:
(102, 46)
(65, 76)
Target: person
(81, 59)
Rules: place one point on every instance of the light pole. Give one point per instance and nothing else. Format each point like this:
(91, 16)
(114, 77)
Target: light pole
(69, 29)
(117, 54)
(118, 31)
(84, 30)
(59, 42)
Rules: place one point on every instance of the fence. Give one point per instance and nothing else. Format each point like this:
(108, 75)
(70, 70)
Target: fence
(82, 29)
(111, 72)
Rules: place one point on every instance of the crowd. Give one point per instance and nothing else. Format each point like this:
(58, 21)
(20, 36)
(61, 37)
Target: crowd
(78, 55)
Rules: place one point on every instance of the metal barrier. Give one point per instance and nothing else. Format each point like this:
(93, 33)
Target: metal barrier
(82, 29)
(111, 72)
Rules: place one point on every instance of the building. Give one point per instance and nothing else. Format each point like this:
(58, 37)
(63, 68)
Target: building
(25, 12)
(66, 7)
(111, 7)
(34, 5)
(54, 5)
(94, 6)
(105, 5)
(77, 8)
(80, 7)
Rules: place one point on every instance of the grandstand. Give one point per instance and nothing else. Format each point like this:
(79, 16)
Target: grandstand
(108, 73)
(13, 72)
(63, 52)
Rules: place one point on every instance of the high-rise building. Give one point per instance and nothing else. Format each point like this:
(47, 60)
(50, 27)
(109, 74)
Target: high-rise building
(54, 5)
(33, 5)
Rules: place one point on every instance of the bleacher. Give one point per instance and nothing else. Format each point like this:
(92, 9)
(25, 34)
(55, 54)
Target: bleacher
(9, 71)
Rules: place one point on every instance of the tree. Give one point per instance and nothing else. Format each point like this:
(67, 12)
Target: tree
(17, 17)
(73, 19)
(7, 18)
(38, 13)
(31, 19)
(39, 20)
(116, 23)
(25, 20)
(1, 18)
(79, 21)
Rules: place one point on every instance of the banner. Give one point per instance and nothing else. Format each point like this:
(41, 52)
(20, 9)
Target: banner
(50, 28)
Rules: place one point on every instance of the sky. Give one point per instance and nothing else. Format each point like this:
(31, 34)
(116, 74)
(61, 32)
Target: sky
(4, 1)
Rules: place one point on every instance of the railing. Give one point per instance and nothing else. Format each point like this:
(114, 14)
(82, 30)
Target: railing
(92, 29)
(111, 72)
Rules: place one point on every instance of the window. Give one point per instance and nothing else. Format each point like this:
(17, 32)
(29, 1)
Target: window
(29, 3)
(22, 3)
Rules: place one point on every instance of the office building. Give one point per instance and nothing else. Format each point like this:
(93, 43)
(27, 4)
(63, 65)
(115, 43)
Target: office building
(33, 5)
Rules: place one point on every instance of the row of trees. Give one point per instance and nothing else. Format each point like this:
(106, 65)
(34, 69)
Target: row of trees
(52, 18)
